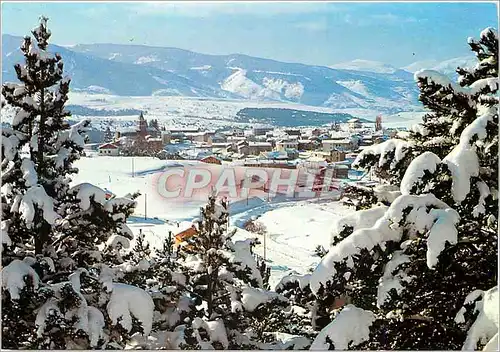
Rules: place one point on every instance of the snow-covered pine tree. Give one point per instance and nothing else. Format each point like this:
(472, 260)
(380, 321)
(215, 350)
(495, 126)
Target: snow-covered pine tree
(409, 270)
(359, 197)
(305, 319)
(232, 309)
(108, 135)
(387, 163)
(153, 123)
(57, 290)
(387, 160)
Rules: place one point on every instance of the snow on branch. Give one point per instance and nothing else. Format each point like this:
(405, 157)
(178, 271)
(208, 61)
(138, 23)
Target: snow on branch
(397, 146)
(117, 203)
(443, 230)
(96, 325)
(13, 277)
(487, 32)
(76, 130)
(20, 116)
(10, 143)
(88, 319)
(216, 332)
(301, 280)
(29, 173)
(127, 301)
(409, 214)
(241, 256)
(480, 85)
(484, 191)
(118, 241)
(4, 233)
(463, 161)
(434, 77)
(360, 219)
(427, 161)
(388, 281)
(351, 325)
(252, 298)
(73, 134)
(478, 127)
(35, 196)
(86, 191)
(485, 327)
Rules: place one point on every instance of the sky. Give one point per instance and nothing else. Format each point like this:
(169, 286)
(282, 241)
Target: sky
(317, 33)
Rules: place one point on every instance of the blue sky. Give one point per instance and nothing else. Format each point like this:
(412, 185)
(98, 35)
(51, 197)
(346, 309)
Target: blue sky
(312, 33)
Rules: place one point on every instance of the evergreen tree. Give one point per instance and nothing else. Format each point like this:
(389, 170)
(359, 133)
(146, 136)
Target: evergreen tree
(408, 272)
(58, 292)
(224, 280)
(154, 124)
(108, 135)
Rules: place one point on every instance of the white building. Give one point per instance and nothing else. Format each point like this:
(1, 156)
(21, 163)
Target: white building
(337, 144)
(166, 137)
(109, 149)
(238, 132)
(282, 145)
(354, 123)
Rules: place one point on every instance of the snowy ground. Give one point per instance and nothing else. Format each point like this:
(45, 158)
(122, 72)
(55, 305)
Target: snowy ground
(202, 113)
(209, 113)
(294, 228)
(402, 119)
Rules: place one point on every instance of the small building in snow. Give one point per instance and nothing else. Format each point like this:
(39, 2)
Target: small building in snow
(332, 156)
(183, 236)
(166, 137)
(354, 123)
(261, 131)
(109, 149)
(238, 132)
(282, 145)
(255, 148)
(344, 144)
(211, 160)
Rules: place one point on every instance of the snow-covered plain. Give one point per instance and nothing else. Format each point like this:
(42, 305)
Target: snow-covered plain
(210, 113)
(294, 227)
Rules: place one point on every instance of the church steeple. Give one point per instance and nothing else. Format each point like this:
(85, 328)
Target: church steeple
(143, 125)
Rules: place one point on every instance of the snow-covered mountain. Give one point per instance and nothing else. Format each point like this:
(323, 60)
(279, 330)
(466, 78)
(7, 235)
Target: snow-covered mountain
(366, 66)
(135, 70)
(448, 67)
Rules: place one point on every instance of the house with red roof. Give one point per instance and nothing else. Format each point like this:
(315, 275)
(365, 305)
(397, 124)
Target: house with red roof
(109, 149)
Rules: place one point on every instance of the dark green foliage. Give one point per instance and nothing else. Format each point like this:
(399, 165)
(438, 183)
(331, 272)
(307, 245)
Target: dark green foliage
(58, 232)
(359, 197)
(420, 314)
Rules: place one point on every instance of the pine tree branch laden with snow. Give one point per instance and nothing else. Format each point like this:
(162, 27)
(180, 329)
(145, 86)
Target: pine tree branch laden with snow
(224, 281)
(53, 236)
(437, 241)
(387, 160)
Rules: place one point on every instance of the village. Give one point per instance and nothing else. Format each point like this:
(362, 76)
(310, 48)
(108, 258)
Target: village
(159, 198)
(333, 146)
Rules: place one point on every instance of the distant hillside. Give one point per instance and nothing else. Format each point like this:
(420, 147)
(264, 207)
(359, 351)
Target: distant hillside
(85, 111)
(134, 70)
(289, 117)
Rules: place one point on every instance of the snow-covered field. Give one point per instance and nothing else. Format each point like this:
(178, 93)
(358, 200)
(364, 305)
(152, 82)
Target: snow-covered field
(293, 231)
(210, 113)
(294, 228)
(176, 112)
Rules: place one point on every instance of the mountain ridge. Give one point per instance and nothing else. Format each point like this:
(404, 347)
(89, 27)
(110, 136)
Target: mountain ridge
(141, 70)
